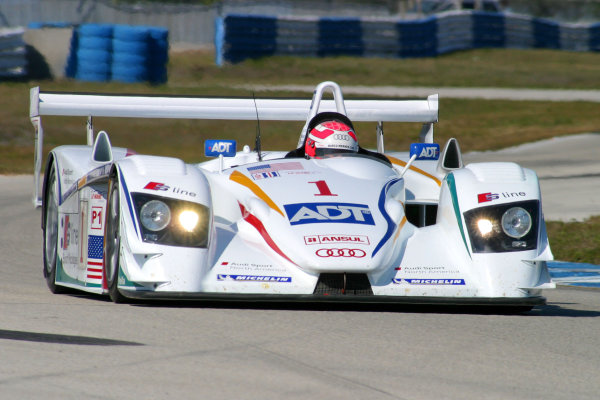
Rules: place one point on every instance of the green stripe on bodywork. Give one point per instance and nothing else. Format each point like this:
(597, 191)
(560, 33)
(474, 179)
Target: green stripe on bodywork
(62, 276)
(125, 283)
(452, 187)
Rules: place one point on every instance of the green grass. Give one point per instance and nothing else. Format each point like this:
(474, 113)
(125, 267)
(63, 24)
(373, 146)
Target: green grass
(478, 125)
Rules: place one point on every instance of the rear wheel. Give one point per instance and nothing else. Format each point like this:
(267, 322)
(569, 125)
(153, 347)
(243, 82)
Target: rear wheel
(112, 248)
(50, 231)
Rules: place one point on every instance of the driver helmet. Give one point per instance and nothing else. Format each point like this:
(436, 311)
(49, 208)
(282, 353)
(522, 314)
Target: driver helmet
(330, 133)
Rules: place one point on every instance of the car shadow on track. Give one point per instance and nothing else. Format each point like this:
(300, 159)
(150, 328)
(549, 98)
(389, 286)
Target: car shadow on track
(552, 309)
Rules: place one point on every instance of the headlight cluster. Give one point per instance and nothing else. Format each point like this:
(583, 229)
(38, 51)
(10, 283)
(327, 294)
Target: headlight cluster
(172, 222)
(504, 227)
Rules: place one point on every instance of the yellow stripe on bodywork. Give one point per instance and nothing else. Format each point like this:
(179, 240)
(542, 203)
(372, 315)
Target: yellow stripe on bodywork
(415, 169)
(243, 180)
(400, 226)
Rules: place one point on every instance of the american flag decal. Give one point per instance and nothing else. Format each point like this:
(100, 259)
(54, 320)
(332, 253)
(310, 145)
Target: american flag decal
(94, 259)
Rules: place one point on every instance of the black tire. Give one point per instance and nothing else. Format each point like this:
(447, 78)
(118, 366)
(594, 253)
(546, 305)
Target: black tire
(112, 242)
(50, 231)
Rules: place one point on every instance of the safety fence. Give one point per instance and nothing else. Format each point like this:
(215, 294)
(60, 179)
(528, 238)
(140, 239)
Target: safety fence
(13, 60)
(239, 37)
(125, 53)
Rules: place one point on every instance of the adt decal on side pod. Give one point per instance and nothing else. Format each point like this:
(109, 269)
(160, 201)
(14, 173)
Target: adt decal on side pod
(215, 148)
(425, 151)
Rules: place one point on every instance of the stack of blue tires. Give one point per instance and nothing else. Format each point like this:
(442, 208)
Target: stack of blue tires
(122, 53)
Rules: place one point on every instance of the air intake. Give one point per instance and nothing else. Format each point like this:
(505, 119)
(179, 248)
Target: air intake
(343, 284)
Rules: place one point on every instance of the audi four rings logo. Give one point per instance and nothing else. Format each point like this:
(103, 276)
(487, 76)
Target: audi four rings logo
(340, 136)
(358, 253)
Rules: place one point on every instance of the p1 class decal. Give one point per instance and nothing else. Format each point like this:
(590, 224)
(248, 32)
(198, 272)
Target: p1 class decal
(314, 213)
(97, 218)
(357, 253)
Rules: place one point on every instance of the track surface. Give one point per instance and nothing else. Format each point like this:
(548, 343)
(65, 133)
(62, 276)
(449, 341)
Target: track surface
(84, 347)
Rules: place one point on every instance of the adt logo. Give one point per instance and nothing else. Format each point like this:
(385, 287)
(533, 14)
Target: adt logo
(425, 151)
(314, 213)
(214, 148)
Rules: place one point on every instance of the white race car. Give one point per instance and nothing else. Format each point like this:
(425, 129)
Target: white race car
(414, 227)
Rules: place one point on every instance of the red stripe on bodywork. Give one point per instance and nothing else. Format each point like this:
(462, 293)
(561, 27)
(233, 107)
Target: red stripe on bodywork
(258, 225)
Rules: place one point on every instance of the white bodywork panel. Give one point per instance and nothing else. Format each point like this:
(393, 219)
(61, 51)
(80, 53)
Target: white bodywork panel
(283, 226)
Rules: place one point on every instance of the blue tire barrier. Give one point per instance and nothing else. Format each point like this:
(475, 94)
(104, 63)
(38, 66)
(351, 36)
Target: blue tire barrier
(92, 77)
(340, 36)
(71, 64)
(125, 53)
(130, 46)
(93, 67)
(546, 34)
(130, 33)
(418, 38)
(129, 59)
(488, 29)
(97, 30)
(250, 36)
(40, 25)
(238, 37)
(88, 55)
(95, 43)
(129, 73)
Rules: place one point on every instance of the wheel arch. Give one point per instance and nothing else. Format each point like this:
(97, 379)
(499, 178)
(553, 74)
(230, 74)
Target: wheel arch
(49, 162)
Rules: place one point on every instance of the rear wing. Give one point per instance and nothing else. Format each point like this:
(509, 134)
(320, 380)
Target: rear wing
(149, 106)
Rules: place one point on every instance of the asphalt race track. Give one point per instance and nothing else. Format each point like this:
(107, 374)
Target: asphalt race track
(78, 346)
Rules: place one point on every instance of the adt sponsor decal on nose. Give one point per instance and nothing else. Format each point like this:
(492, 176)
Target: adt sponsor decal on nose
(314, 213)
(425, 151)
(214, 148)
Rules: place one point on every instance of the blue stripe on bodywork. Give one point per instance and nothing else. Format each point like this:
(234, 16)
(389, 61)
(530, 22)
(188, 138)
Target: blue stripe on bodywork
(452, 187)
(129, 203)
(391, 225)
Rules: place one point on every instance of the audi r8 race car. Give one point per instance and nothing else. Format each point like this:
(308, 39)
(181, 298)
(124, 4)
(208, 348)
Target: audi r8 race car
(329, 221)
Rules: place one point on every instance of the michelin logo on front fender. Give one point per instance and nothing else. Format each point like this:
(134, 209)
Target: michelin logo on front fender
(314, 213)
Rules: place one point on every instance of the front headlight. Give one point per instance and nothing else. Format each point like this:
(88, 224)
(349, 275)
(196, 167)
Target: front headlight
(172, 222)
(503, 227)
(155, 215)
(516, 222)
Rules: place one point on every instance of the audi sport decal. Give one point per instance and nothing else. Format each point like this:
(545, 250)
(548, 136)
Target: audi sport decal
(332, 239)
(254, 278)
(430, 281)
(357, 253)
(314, 213)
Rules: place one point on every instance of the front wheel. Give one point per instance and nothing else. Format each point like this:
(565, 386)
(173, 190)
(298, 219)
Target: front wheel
(112, 247)
(50, 231)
